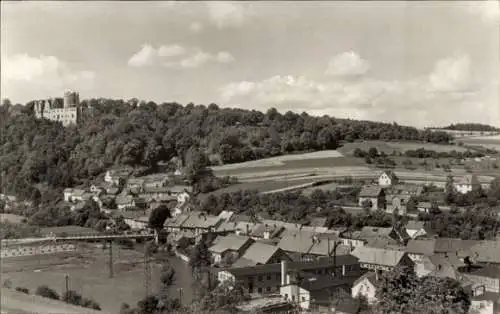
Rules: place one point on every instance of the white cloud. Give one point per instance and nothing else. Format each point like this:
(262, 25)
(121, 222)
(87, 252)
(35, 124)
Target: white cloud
(227, 14)
(195, 27)
(225, 57)
(176, 56)
(445, 93)
(488, 11)
(44, 73)
(196, 60)
(451, 74)
(347, 64)
(171, 51)
(145, 57)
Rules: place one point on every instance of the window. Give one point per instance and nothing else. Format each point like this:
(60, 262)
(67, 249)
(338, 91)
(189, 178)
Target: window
(259, 290)
(286, 296)
(293, 298)
(268, 277)
(303, 299)
(259, 278)
(268, 289)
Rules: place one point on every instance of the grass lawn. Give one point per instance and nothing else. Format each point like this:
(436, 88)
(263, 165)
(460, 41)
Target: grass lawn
(13, 218)
(389, 147)
(88, 275)
(262, 186)
(67, 230)
(492, 142)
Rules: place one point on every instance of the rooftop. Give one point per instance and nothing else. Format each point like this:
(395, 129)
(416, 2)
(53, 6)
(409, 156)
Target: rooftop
(229, 242)
(298, 265)
(378, 256)
(260, 253)
(370, 191)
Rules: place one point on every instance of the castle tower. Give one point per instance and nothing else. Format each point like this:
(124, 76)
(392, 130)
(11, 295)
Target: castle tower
(71, 99)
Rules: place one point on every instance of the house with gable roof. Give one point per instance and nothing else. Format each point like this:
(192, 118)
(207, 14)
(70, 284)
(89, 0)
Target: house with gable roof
(366, 286)
(387, 178)
(230, 245)
(373, 194)
(466, 184)
(415, 229)
(380, 259)
(261, 253)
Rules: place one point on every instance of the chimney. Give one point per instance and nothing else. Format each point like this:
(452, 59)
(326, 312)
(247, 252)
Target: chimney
(343, 270)
(248, 229)
(376, 275)
(284, 272)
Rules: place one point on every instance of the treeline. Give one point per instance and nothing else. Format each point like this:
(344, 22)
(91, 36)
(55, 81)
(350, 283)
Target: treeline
(373, 153)
(295, 207)
(136, 134)
(473, 127)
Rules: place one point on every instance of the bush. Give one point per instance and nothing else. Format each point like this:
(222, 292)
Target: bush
(23, 290)
(46, 292)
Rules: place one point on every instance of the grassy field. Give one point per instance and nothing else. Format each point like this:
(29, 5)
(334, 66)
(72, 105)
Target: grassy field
(67, 230)
(88, 275)
(492, 142)
(12, 218)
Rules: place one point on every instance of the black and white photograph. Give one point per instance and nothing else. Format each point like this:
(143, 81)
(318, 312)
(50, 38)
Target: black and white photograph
(255, 157)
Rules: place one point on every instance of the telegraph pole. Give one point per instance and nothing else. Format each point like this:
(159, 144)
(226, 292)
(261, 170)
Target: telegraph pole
(110, 248)
(147, 272)
(66, 280)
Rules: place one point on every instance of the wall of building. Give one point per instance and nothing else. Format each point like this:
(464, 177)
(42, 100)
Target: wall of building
(364, 288)
(482, 307)
(491, 284)
(36, 250)
(296, 295)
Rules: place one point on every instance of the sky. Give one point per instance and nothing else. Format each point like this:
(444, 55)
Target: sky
(415, 63)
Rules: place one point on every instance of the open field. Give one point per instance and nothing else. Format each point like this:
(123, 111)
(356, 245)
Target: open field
(17, 219)
(492, 142)
(280, 160)
(67, 230)
(88, 275)
(20, 303)
(389, 147)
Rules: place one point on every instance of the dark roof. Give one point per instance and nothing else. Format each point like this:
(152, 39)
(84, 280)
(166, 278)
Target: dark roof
(323, 282)
(486, 271)
(452, 245)
(423, 246)
(370, 191)
(484, 252)
(299, 265)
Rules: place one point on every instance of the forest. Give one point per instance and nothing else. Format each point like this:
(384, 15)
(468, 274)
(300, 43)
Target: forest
(477, 127)
(36, 153)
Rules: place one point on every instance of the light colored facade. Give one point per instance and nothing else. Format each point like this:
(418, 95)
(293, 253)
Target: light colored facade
(66, 110)
(366, 288)
(387, 178)
(467, 184)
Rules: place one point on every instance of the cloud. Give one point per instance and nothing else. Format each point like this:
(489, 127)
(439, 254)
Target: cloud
(44, 73)
(488, 11)
(451, 74)
(347, 64)
(422, 101)
(176, 56)
(227, 14)
(145, 57)
(195, 27)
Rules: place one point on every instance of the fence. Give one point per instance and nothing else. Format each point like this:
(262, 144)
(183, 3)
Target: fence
(37, 250)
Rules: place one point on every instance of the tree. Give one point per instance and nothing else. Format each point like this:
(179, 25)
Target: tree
(200, 257)
(449, 190)
(373, 152)
(401, 291)
(167, 274)
(46, 292)
(158, 217)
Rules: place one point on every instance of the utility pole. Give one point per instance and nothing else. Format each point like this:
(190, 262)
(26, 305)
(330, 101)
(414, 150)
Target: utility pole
(110, 248)
(66, 280)
(147, 272)
(180, 295)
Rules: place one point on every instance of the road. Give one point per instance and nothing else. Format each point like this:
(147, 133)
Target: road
(14, 302)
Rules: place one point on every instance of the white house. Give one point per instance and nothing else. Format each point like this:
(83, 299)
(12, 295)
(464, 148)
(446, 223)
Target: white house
(366, 286)
(415, 229)
(387, 178)
(467, 183)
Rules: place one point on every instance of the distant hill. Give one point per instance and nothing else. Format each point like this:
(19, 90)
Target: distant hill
(472, 127)
(120, 133)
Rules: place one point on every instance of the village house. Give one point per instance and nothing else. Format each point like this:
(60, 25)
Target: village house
(486, 252)
(260, 254)
(415, 229)
(230, 246)
(385, 236)
(73, 195)
(485, 277)
(366, 286)
(387, 178)
(466, 184)
(124, 202)
(201, 222)
(117, 177)
(373, 195)
(417, 248)
(311, 292)
(266, 232)
(267, 279)
(380, 259)
(352, 239)
(135, 185)
(397, 203)
(136, 220)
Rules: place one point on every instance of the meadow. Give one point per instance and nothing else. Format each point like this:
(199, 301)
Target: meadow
(12, 218)
(492, 142)
(88, 275)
